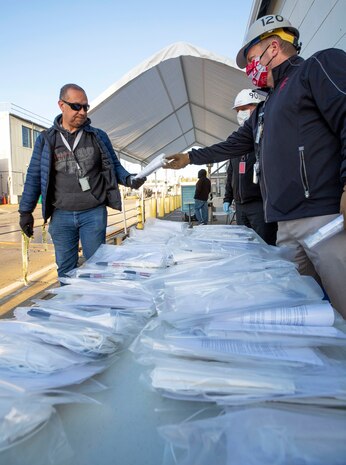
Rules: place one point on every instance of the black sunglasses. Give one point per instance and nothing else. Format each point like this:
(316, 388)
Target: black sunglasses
(77, 106)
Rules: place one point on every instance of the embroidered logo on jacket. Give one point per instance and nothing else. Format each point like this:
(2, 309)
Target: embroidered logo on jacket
(283, 84)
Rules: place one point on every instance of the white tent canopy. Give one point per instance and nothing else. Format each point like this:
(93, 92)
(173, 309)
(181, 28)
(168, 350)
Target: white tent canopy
(180, 97)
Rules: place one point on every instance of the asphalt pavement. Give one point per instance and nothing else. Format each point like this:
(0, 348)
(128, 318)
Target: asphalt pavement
(41, 266)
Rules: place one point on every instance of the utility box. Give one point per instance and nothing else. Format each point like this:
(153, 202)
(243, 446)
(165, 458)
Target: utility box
(187, 199)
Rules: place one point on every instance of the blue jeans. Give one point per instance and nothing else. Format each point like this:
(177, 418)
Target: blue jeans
(201, 211)
(67, 227)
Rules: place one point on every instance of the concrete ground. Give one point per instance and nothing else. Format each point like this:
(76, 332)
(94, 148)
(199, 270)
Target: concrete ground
(41, 265)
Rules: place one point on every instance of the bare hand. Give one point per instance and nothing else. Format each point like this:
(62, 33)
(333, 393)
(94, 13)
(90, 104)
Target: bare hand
(343, 205)
(177, 161)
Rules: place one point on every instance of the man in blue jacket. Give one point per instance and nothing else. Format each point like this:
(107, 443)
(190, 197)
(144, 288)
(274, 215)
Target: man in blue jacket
(75, 169)
(299, 138)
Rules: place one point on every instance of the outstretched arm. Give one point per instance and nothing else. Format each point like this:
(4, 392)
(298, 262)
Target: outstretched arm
(177, 161)
(237, 144)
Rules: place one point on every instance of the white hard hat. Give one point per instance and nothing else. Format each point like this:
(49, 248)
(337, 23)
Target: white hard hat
(265, 27)
(246, 97)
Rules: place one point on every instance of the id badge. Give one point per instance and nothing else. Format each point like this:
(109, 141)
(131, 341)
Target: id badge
(259, 133)
(84, 183)
(255, 173)
(242, 167)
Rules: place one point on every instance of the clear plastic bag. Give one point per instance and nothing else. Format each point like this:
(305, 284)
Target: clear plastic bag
(259, 436)
(244, 381)
(117, 320)
(132, 255)
(25, 355)
(90, 340)
(27, 427)
(106, 274)
(29, 423)
(120, 294)
(325, 232)
(165, 341)
(237, 295)
(305, 313)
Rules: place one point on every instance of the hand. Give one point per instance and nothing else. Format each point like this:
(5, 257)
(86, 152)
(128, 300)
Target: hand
(343, 205)
(134, 183)
(26, 223)
(177, 161)
(226, 207)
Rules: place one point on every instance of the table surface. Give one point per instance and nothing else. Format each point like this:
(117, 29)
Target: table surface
(122, 429)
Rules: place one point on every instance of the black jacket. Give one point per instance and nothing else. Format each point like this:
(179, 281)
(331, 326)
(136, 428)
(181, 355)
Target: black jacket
(240, 185)
(203, 187)
(303, 150)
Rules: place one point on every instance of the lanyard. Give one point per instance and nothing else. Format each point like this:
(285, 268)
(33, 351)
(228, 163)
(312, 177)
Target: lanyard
(258, 140)
(76, 142)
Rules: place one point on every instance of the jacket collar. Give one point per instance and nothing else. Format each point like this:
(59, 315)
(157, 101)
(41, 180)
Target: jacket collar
(285, 68)
(57, 124)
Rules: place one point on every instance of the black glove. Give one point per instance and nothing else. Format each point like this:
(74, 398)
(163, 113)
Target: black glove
(134, 183)
(26, 223)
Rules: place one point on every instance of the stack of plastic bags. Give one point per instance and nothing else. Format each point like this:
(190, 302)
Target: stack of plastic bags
(242, 329)
(132, 262)
(236, 325)
(51, 351)
(239, 330)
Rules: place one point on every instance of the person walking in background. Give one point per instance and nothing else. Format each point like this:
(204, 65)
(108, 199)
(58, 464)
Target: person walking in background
(239, 184)
(203, 188)
(299, 138)
(75, 169)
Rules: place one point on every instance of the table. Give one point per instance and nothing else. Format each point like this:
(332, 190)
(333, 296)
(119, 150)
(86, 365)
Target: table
(121, 430)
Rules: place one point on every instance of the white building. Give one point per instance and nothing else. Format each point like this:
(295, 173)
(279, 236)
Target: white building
(19, 129)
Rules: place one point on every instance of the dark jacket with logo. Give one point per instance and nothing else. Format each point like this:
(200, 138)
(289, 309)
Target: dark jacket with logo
(239, 184)
(39, 176)
(303, 149)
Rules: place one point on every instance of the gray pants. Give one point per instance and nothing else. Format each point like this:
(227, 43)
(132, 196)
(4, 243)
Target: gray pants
(326, 262)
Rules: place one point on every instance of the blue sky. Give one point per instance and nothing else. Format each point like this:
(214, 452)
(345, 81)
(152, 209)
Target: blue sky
(46, 44)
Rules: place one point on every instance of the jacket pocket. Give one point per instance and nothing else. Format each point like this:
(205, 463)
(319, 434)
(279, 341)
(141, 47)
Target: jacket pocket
(112, 189)
(303, 173)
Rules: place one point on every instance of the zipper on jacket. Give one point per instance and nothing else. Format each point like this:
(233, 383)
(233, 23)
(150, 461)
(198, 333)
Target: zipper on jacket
(303, 174)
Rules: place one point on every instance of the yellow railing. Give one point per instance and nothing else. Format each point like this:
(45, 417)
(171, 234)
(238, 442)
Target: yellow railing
(136, 211)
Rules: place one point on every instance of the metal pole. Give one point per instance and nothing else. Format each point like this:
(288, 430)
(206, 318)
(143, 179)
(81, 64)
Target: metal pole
(124, 209)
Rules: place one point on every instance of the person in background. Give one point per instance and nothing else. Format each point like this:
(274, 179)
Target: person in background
(203, 187)
(299, 138)
(75, 169)
(239, 184)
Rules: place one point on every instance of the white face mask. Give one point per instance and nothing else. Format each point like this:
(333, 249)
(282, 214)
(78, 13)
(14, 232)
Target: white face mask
(242, 116)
